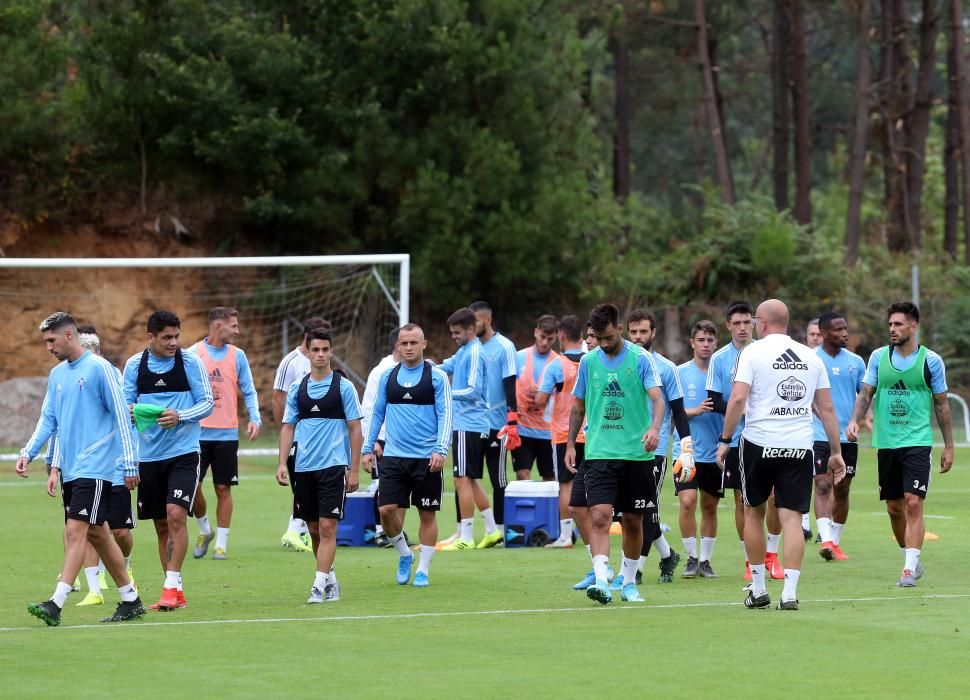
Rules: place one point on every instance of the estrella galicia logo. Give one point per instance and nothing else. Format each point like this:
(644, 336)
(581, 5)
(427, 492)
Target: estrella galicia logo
(792, 389)
(899, 389)
(898, 408)
(613, 386)
(789, 360)
(613, 411)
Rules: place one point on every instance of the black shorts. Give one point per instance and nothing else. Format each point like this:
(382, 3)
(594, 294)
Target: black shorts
(563, 475)
(291, 472)
(86, 499)
(223, 456)
(786, 470)
(659, 472)
(538, 450)
(732, 469)
(321, 494)
(708, 477)
(577, 497)
(120, 516)
(407, 481)
(627, 485)
(375, 472)
(167, 481)
(468, 453)
(850, 454)
(903, 470)
(495, 460)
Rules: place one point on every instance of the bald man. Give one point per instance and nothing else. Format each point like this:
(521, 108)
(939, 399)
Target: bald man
(775, 386)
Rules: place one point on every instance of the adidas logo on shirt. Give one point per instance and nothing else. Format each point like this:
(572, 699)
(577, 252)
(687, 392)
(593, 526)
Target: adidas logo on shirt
(613, 388)
(315, 409)
(899, 389)
(216, 373)
(335, 511)
(434, 502)
(789, 360)
(161, 382)
(84, 511)
(128, 521)
(407, 395)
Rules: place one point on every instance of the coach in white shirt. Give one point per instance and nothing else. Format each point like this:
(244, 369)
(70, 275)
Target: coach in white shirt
(776, 383)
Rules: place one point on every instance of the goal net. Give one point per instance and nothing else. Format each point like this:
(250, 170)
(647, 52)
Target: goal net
(363, 297)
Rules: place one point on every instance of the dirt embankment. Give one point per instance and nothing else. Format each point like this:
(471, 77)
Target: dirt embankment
(116, 301)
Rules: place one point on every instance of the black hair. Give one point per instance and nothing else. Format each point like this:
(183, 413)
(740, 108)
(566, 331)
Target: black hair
(602, 316)
(825, 320)
(160, 320)
(571, 328)
(904, 307)
(738, 307)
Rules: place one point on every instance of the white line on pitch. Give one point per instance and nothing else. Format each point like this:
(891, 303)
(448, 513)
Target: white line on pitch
(474, 613)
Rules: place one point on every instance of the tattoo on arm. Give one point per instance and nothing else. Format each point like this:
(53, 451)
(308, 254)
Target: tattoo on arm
(942, 408)
(576, 416)
(862, 402)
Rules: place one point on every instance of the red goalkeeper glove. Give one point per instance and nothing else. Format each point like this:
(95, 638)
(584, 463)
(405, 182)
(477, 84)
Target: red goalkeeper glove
(511, 432)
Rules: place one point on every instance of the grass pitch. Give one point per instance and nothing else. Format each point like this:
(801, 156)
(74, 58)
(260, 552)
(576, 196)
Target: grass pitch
(493, 623)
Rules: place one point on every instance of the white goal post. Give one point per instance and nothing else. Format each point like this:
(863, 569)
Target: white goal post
(364, 297)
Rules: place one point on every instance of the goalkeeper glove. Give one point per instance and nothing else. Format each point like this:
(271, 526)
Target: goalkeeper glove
(511, 432)
(684, 466)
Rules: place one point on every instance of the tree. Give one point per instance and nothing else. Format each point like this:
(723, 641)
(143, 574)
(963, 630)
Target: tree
(715, 124)
(918, 122)
(780, 105)
(962, 94)
(800, 104)
(857, 159)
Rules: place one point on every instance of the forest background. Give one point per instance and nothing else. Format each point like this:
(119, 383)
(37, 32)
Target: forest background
(541, 154)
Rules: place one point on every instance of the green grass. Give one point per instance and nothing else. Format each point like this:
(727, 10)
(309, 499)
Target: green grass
(493, 623)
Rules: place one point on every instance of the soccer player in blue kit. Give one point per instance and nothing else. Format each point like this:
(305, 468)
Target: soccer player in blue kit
(169, 459)
(85, 408)
(414, 406)
(470, 429)
(845, 370)
(323, 416)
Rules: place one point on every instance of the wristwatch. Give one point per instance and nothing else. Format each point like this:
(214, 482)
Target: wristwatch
(723, 440)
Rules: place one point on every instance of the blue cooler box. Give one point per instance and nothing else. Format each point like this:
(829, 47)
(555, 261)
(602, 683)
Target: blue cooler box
(531, 513)
(357, 527)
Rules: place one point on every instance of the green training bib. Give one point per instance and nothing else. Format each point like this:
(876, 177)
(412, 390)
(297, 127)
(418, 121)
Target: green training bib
(618, 410)
(903, 400)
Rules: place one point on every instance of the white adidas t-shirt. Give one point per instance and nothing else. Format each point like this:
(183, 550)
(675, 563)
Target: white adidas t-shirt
(293, 368)
(783, 376)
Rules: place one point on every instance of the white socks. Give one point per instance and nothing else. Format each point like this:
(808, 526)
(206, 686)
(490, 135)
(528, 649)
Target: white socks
(628, 570)
(589, 552)
(426, 552)
(320, 580)
(772, 543)
(128, 593)
(791, 583)
(662, 547)
(806, 523)
(824, 526)
(601, 564)
(758, 579)
(222, 537)
(836, 529)
(465, 529)
(173, 579)
(566, 530)
(91, 574)
(912, 559)
(744, 551)
(707, 548)
(297, 525)
(489, 517)
(690, 546)
(60, 593)
(400, 544)
(204, 527)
